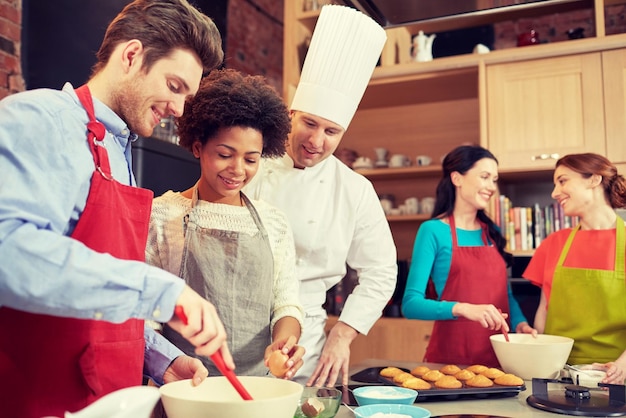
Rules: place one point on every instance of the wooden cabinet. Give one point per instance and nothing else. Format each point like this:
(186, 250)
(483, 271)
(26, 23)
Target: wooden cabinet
(538, 110)
(614, 77)
(391, 339)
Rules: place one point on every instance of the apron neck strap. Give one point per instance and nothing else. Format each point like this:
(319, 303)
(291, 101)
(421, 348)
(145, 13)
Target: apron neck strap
(95, 133)
(620, 245)
(483, 228)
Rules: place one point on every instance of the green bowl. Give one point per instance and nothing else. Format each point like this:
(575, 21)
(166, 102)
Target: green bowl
(329, 397)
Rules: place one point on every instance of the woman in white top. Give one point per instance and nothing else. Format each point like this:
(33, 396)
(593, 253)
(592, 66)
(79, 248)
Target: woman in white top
(237, 253)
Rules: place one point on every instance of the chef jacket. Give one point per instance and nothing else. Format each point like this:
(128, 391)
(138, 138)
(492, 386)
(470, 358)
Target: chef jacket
(336, 218)
(46, 171)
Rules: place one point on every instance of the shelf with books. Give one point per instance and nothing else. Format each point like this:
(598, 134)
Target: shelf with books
(524, 227)
(420, 217)
(395, 173)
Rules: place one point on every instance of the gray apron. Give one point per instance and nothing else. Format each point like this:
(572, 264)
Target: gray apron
(234, 271)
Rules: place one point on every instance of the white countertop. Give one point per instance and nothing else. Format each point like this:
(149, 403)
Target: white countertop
(515, 406)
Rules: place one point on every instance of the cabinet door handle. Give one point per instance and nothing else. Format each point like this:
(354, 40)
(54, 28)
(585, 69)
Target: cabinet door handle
(545, 157)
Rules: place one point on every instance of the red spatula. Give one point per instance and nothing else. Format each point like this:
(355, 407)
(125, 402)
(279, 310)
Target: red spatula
(218, 360)
(505, 333)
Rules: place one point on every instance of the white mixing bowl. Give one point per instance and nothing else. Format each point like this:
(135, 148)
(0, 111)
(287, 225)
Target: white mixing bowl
(528, 357)
(216, 398)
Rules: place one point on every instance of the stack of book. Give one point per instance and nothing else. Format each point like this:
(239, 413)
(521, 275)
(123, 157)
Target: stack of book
(525, 227)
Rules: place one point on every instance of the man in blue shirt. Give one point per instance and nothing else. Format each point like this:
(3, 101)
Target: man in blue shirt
(74, 289)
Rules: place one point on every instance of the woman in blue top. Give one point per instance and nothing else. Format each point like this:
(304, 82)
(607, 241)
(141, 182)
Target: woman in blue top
(459, 256)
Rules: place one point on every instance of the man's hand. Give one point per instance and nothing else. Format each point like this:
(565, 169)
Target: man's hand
(202, 327)
(186, 367)
(335, 357)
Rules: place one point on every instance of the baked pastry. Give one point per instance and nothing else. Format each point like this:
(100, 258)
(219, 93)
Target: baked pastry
(450, 369)
(492, 373)
(433, 375)
(390, 372)
(416, 383)
(420, 371)
(464, 374)
(448, 382)
(402, 377)
(479, 381)
(477, 368)
(509, 379)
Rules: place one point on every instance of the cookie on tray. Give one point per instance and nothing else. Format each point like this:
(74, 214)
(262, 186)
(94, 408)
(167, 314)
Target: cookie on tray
(492, 373)
(416, 383)
(479, 381)
(477, 368)
(390, 372)
(402, 377)
(448, 382)
(509, 379)
(450, 369)
(420, 371)
(465, 374)
(433, 376)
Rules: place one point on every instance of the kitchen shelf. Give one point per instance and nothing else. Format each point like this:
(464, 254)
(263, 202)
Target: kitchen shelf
(393, 173)
(408, 218)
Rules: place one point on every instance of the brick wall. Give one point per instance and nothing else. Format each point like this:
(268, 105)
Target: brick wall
(11, 80)
(255, 38)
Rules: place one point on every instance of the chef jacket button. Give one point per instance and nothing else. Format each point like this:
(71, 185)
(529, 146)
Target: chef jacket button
(299, 261)
(98, 315)
(311, 221)
(156, 313)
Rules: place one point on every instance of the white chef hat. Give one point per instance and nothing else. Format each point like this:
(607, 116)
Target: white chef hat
(343, 53)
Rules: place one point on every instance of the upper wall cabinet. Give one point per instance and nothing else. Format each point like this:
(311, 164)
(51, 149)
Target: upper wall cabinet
(538, 110)
(614, 76)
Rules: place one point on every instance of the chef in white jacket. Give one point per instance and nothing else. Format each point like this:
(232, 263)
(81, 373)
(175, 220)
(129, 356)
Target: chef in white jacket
(335, 213)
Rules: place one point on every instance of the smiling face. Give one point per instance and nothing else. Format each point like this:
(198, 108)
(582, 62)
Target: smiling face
(143, 99)
(312, 139)
(477, 185)
(574, 192)
(227, 162)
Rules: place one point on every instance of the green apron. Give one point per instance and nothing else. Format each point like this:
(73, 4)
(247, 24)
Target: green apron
(590, 306)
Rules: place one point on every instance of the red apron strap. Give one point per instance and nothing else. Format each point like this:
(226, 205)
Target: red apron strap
(96, 132)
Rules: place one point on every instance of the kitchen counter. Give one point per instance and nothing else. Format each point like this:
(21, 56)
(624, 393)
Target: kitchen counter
(505, 407)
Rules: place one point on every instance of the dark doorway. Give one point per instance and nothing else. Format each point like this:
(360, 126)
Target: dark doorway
(60, 38)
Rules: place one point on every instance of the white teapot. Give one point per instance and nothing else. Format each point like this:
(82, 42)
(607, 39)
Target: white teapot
(423, 47)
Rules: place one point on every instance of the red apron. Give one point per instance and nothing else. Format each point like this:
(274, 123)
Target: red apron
(48, 364)
(477, 275)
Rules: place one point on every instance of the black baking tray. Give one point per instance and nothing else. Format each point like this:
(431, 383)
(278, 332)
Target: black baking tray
(437, 394)
(466, 392)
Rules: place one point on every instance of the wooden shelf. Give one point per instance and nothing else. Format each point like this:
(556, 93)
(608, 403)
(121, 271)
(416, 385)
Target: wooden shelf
(408, 218)
(393, 173)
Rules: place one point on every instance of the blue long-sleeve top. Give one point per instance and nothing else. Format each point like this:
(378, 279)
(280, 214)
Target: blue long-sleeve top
(45, 172)
(432, 255)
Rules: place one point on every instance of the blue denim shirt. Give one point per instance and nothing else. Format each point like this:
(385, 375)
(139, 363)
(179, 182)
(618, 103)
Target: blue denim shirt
(45, 172)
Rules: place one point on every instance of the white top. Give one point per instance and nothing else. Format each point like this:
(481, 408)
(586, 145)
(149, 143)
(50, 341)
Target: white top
(336, 218)
(166, 241)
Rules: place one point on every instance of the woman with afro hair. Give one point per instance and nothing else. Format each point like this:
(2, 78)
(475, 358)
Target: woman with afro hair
(236, 252)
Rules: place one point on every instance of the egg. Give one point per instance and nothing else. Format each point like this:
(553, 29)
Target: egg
(277, 363)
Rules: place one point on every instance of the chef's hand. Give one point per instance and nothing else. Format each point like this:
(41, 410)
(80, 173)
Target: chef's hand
(186, 367)
(524, 328)
(335, 357)
(289, 347)
(487, 315)
(615, 370)
(203, 328)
